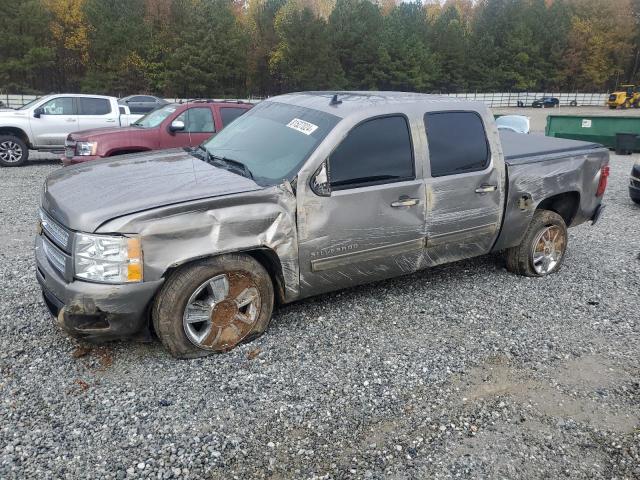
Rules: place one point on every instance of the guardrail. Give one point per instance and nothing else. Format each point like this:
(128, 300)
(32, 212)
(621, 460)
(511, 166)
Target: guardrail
(496, 100)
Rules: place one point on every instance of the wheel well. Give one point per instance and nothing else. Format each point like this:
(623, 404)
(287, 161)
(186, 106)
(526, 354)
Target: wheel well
(271, 262)
(16, 132)
(265, 256)
(564, 204)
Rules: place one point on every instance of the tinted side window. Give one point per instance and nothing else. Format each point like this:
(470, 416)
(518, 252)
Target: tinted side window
(377, 151)
(140, 98)
(229, 114)
(59, 106)
(93, 106)
(198, 119)
(457, 143)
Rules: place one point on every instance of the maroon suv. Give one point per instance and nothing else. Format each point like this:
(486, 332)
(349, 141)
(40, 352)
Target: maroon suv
(174, 125)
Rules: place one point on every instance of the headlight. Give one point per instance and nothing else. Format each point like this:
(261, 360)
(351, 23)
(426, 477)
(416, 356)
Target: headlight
(86, 148)
(108, 259)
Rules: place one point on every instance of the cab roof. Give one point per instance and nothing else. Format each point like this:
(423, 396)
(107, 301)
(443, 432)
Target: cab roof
(345, 103)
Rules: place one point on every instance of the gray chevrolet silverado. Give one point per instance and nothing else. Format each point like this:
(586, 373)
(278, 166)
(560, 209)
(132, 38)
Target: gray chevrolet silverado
(305, 193)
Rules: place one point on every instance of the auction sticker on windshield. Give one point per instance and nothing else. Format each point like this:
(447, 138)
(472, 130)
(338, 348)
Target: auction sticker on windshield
(302, 126)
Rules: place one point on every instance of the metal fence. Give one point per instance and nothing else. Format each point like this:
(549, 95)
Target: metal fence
(496, 100)
(525, 99)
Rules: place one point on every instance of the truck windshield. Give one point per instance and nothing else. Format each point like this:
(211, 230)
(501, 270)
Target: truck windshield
(272, 140)
(30, 104)
(155, 118)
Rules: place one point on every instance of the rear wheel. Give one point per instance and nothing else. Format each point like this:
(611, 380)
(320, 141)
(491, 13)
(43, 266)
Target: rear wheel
(543, 247)
(213, 305)
(13, 151)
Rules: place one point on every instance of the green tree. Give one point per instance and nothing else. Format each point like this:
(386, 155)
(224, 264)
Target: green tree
(26, 55)
(406, 61)
(304, 58)
(449, 38)
(210, 57)
(264, 40)
(355, 28)
(118, 45)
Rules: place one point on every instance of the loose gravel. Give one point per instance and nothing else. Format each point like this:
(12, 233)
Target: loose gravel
(462, 371)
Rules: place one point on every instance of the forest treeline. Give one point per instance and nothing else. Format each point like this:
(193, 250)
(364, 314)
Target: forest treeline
(199, 48)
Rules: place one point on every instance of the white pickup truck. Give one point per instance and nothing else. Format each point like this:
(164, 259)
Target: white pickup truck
(44, 123)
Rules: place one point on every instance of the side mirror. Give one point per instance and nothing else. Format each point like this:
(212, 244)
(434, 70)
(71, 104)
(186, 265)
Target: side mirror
(176, 126)
(320, 184)
(38, 111)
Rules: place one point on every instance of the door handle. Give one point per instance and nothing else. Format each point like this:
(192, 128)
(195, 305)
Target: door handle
(71, 119)
(110, 120)
(484, 188)
(405, 202)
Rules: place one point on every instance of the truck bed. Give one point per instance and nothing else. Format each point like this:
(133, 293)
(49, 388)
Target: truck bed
(519, 148)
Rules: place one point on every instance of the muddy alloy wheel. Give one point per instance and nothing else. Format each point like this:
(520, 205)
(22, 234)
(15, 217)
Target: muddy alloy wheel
(222, 311)
(213, 305)
(13, 151)
(542, 248)
(548, 249)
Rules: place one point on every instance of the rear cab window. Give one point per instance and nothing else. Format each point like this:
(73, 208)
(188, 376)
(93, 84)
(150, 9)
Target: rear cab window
(457, 143)
(93, 106)
(377, 151)
(229, 114)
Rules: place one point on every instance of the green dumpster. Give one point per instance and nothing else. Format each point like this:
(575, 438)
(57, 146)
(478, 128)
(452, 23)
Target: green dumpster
(597, 128)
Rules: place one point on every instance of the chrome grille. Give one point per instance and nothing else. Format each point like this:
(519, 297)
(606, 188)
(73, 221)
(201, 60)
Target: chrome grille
(58, 234)
(56, 258)
(70, 148)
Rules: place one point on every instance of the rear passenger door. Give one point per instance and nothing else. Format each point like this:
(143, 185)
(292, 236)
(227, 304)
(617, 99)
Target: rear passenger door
(370, 225)
(466, 187)
(95, 113)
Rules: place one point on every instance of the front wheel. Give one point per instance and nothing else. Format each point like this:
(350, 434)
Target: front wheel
(13, 151)
(213, 305)
(543, 247)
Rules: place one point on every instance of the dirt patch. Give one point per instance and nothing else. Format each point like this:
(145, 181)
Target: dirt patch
(571, 393)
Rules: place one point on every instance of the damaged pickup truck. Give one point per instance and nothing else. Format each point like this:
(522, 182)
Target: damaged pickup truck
(305, 193)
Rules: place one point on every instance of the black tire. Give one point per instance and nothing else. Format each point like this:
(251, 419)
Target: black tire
(635, 200)
(573, 103)
(170, 304)
(612, 107)
(520, 259)
(10, 148)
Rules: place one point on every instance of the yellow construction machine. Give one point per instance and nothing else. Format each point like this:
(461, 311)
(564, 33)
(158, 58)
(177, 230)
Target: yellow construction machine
(627, 96)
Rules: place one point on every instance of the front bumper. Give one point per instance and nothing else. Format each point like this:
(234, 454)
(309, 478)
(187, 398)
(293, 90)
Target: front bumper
(94, 311)
(78, 159)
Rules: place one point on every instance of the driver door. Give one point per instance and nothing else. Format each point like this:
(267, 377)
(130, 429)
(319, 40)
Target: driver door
(58, 118)
(364, 218)
(198, 126)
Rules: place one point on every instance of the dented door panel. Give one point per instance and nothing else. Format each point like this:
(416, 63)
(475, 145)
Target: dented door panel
(357, 236)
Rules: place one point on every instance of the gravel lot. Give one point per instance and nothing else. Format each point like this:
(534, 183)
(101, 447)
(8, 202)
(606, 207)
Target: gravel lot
(463, 371)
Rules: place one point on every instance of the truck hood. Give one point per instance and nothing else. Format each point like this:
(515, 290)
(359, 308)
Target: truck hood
(85, 196)
(96, 133)
(12, 114)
